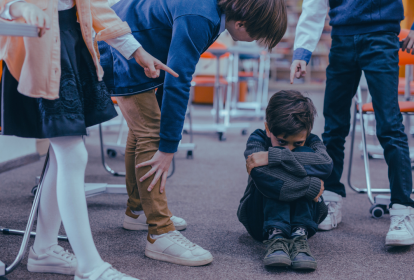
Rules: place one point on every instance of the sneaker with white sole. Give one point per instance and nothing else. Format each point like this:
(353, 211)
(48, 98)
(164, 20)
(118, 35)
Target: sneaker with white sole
(104, 272)
(55, 260)
(334, 203)
(401, 232)
(173, 247)
(139, 222)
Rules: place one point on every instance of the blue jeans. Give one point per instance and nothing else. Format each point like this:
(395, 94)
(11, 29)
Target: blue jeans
(377, 55)
(286, 216)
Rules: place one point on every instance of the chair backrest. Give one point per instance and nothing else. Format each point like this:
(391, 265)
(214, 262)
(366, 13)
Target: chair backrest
(215, 45)
(405, 58)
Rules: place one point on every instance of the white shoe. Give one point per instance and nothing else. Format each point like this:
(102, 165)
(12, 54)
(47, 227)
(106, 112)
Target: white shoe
(401, 232)
(55, 260)
(173, 247)
(334, 203)
(104, 272)
(140, 223)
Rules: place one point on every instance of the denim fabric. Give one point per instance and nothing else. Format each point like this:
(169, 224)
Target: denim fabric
(288, 215)
(377, 55)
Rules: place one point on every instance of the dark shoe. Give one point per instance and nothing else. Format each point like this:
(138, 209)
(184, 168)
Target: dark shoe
(300, 254)
(277, 252)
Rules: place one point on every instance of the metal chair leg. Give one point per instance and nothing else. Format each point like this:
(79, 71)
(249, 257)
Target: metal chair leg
(28, 232)
(106, 167)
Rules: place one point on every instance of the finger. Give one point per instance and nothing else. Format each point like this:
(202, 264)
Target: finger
(145, 163)
(47, 22)
(148, 174)
(404, 45)
(292, 73)
(167, 69)
(298, 73)
(163, 181)
(303, 68)
(410, 45)
(153, 71)
(155, 180)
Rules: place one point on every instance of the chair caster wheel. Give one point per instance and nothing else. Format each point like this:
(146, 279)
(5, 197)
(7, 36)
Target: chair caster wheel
(222, 137)
(34, 190)
(377, 211)
(244, 132)
(111, 153)
(189, 154)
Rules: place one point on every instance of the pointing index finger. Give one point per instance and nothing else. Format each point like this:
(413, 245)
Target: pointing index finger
(167, 69)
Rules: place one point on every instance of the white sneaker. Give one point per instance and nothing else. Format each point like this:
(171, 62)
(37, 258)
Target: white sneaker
(401, 232)
(140, 223)
(104, 272)
(334, 203)
(55, 260)
(173, 247)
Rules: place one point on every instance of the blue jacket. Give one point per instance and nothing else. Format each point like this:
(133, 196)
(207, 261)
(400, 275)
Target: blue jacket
(350, 17)
(176, 32)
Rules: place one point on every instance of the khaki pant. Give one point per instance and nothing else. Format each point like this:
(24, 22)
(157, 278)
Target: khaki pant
(143, 115)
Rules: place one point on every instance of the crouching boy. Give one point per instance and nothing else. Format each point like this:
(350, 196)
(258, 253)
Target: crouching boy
(282, 205)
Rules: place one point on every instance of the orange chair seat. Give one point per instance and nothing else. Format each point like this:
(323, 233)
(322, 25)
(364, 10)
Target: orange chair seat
(244, 74)
(401, 87)
(405, 107)
(114, 100)
(207, 81)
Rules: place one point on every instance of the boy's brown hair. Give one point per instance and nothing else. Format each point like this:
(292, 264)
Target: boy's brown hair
(289, 113)
(265, 20)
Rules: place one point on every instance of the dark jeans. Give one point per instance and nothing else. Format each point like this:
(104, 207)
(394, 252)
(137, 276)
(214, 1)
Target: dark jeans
(377, 55)
(288, 215)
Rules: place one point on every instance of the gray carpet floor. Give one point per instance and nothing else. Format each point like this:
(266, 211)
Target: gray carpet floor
(206, 191)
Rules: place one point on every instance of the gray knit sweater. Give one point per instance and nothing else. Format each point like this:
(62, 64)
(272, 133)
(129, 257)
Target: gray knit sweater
(290, 174)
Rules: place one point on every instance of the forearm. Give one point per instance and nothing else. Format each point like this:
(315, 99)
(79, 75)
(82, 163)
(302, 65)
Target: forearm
(276, 183)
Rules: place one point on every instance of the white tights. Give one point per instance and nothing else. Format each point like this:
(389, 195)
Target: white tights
(63, 200)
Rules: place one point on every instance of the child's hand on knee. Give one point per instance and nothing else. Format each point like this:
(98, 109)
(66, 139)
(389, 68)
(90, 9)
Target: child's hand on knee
(32, 15)
(256, 160)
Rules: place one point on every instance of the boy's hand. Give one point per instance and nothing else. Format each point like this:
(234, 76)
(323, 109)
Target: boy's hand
(297, 69)
(320, 192)
(151, 65)
(409, 43)
(160, 164)
(256, 160)
(32, 15)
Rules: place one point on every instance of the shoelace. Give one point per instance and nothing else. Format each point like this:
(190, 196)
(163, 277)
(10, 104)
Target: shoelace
(66, 255)
(277, 244)
(398, 222)
(114, 274)
(331, 213)
(299, 245)
(182, 240)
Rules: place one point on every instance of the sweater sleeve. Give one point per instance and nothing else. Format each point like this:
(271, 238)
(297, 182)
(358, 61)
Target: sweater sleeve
(309, 28)
(190, 35)
(309, 160)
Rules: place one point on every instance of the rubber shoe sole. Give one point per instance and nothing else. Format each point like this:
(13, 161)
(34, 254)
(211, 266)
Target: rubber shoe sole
(308, 265)
(399, 242)
(139, 226)
(277, 261)
(50, 269)
(177, 260)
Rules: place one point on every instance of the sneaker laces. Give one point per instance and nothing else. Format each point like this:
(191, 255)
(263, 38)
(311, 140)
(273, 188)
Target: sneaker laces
(65, 255)
(299, 245)
(179, 238)
(398, 222)
(277, 244)
(114, 274)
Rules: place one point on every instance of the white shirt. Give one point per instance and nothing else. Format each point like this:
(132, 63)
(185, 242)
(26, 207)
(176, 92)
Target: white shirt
(125, 44)
(309, 28)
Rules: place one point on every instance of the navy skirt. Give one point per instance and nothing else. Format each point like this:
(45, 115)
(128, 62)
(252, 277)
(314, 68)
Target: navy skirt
(83, 100)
